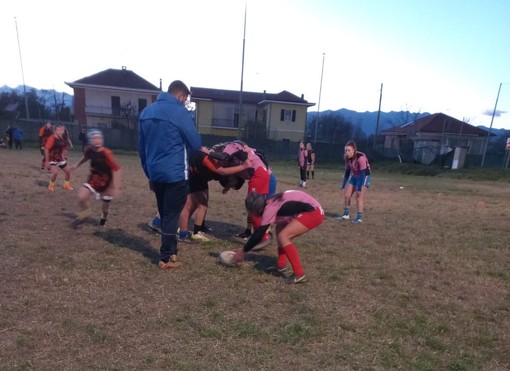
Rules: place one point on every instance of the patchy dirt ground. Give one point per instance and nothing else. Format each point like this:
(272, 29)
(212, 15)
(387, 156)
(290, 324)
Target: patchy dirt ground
(423, 284)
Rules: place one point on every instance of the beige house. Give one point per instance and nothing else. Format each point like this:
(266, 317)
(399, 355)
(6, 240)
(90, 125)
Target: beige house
(279, 116)
(111, 98)
(114, 98)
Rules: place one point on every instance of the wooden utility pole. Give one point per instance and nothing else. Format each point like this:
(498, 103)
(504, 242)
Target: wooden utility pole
(378, 116)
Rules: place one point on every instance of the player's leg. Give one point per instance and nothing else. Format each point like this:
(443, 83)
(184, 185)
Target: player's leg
(67, 171)
(302, 224)
(53, 175)
(84, 194)
(201, 199)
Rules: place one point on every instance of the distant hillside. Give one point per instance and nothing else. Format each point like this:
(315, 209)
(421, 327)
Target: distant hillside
(47, 95)
(368, 120)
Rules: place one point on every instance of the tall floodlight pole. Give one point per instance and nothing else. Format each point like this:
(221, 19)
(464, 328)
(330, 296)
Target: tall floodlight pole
(22, 73)
(378, 116)
(319, 103)
(490, 128)
(242, 77)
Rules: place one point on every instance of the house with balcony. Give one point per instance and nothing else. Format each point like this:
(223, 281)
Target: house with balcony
(250, 115)
(111, 98)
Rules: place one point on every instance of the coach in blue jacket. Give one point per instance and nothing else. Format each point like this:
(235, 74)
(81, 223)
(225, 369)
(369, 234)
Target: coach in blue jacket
(166, 135)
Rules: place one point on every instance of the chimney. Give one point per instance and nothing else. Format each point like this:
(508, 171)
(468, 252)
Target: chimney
(161, 84)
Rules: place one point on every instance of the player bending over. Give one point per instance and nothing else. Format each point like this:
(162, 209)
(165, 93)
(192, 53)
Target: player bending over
(294, 213)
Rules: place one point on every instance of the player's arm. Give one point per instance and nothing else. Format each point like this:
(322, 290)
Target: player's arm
(346, 177)
(226, 170)
(79, 163)
(116, 173)
(49, 144)
(254, 240)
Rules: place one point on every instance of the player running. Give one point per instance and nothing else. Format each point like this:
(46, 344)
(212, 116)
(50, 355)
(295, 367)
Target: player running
(54, 149)
(104, 179)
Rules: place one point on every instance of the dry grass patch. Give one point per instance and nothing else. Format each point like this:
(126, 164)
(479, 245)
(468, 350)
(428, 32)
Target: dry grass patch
(423, 284)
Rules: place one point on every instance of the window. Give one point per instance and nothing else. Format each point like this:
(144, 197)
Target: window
(116, 106)
(288, 115)
(142, 103)
(225, 115)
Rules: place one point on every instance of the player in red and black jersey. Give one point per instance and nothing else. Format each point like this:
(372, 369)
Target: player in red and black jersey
(44, 133)
(202, 169)
(54, 158)
(104, 179)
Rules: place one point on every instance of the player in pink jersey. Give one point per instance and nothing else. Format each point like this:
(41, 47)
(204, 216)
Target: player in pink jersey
(356, 180)
(294, 213)
(259, 179)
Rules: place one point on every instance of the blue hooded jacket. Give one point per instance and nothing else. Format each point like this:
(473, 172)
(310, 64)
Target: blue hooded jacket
(166, 135)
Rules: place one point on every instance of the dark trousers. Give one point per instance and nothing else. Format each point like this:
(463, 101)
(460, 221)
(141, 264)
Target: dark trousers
(17, 144)
(302, 173)
(171, 198)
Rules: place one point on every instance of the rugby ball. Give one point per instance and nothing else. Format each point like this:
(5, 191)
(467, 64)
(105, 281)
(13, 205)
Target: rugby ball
(227, 258)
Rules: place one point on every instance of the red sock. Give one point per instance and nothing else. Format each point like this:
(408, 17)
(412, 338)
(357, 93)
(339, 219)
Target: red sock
(282, 258)
(292, 253)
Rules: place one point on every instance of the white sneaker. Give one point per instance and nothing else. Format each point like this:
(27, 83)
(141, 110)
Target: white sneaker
(199, 236)
(343, 217)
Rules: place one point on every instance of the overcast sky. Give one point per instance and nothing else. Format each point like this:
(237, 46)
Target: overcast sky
(432, 56)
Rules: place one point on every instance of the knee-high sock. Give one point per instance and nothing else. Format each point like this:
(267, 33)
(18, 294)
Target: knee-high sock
(293, 256)
(282, 258)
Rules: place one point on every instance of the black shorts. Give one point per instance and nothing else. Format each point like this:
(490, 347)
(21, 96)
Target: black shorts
(197, 185)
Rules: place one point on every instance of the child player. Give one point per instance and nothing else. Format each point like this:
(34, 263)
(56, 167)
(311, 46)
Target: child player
(104, 178)
(54, 149)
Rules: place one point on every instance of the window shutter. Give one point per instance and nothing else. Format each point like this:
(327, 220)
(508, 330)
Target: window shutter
(282, 115)
(294, 115)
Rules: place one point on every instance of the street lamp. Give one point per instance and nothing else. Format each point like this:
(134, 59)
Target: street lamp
(319, 103)
(490, 128)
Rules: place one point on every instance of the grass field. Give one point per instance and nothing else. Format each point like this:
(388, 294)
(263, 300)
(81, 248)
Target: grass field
(423, 284)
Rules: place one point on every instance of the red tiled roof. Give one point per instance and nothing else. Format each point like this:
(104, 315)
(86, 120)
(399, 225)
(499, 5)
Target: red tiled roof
(437, 123)
(198, 93)
(123, 78)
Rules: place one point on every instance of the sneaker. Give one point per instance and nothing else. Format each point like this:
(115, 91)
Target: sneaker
(186, 238)
(266, 240)
(68, 187)
(102, 222)
(343, 217)
(295, 279)
(199, 236)
(51, 187)
(169, 264)
(154, 228)
(357, 221)
(206, 229)
(81, 218)
(244, 235)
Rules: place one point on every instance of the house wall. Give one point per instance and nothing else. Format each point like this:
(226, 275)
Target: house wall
(93, 107)
(98, 101)
(79, 106)
(276, 129)
(287, 129)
